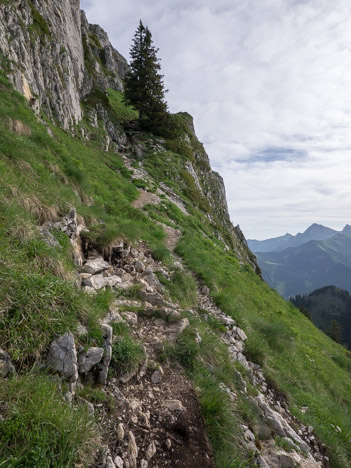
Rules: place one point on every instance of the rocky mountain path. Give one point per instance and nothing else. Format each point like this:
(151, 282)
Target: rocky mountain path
(162, 411)
(151, 414)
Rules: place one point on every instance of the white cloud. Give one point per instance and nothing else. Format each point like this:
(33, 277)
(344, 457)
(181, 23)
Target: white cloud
(258, 75)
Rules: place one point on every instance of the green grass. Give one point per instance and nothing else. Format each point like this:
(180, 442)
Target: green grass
(39, 429)
(123, 112)
(181, 287)
(41, 178)
(127, 353)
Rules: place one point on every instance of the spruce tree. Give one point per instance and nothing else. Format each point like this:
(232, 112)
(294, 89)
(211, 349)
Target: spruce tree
(144, 87)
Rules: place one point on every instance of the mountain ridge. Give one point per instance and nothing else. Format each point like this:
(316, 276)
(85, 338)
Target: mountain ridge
(276, 244)
(302, 269)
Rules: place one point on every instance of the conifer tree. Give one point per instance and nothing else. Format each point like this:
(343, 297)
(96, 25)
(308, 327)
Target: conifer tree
(144, 87)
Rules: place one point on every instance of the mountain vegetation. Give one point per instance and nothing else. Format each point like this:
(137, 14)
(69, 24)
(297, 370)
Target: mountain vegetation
(135, 329)
(330, 310)
(144, 88)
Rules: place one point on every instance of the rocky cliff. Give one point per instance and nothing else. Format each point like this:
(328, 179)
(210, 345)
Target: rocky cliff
(54, 57)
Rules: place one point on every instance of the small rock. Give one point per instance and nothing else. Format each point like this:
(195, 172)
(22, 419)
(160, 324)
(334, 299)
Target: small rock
(97, 282)
(239, 333)
(150, 452)
(156, 376)
(143, 369)
(82, 330)
(113, 316)
(109, 463)
(89, 290)
(152, 298)
(120, 432)
(130, 317)
(132, 449)
(168, 444)
(144, 420)
(249, 435)
(118, 462)
(175, 330)
(228, 321)
(112, 281)
(198, 338)
(95, 266)
(87, 360)
(134, 404)
(286, 461)
(174, 405)
(104, 365)
(89, 406)
(264, 433)
(139, 266)
(48, 237)
(125, 378)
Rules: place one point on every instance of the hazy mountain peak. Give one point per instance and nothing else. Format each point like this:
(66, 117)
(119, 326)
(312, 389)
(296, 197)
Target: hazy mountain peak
(277, 244)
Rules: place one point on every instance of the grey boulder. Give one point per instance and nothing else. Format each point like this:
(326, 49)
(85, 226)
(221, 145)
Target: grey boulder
(87, 360)
(62, 357)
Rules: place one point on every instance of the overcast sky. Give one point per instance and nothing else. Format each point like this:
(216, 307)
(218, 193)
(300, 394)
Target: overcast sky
(269, 85)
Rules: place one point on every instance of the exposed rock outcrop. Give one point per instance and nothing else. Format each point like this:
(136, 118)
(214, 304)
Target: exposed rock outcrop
(54, 57)
(62, 357)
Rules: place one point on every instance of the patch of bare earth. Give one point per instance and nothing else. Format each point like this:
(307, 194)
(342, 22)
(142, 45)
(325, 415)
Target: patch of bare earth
(172, 237)
(160, 408)
(146, 198)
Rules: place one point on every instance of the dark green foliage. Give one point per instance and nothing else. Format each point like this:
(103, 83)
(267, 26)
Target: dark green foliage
(330, 310)
(305, 312)
(144, 88)
(334, 331)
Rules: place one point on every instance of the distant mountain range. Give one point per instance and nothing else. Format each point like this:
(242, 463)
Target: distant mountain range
(330, 310)
(300, 264)
(277, 244)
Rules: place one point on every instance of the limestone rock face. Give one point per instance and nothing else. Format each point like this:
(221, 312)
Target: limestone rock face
(44, 45)
(43, 42)
(98, 50)
(62, 357)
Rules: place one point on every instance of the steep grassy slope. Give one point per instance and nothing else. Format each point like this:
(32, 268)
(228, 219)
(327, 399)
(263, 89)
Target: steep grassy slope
(42, 176)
